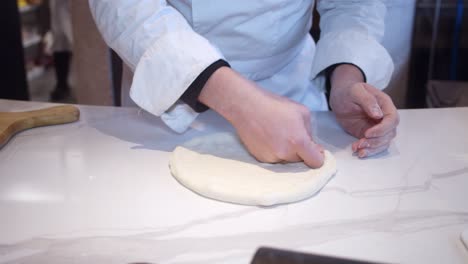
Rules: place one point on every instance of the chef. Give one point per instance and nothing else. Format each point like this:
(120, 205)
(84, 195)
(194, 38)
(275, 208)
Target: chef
(255, 64)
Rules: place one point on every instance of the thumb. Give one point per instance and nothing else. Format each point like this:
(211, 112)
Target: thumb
(311, 154)
(368, 102)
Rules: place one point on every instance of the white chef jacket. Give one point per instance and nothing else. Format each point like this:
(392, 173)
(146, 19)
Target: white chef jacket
(167, 44)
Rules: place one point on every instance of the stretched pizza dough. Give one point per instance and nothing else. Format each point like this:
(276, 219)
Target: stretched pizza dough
(218, 166)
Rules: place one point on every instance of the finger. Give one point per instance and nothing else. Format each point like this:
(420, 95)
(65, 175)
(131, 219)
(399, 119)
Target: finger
(311, 154)
(286, 152)
(354, 146)
(291, 158)
(357, 128)
(367, 101)
(387, 124)
(390, 120)
(295, 160)
(374, 142)
(367, 152)
(309, 128)
(266, 157)
(261, 156)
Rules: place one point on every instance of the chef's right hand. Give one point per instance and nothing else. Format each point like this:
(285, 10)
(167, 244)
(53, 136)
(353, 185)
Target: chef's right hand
(273, 128)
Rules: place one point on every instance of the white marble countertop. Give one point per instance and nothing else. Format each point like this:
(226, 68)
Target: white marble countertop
(100, 190)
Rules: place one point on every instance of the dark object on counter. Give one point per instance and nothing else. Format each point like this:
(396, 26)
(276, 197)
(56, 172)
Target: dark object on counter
(266, 255)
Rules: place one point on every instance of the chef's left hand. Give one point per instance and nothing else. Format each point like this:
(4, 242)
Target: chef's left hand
(363, 111)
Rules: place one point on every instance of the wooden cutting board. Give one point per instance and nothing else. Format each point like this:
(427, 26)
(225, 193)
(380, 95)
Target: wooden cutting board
(14, 122)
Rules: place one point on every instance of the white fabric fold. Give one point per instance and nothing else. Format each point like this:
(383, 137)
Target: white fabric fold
(162, 49)
(350, 33)
(366, 53)
(159, 81)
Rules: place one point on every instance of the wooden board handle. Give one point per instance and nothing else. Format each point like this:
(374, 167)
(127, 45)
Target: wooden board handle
(50, 116)
(14, 122)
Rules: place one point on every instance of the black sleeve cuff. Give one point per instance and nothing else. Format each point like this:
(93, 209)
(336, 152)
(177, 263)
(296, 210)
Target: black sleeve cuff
(190, 95)
(328, 71)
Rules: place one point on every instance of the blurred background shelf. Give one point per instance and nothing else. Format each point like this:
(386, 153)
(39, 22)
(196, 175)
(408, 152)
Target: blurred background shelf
(31, 41)
(35, 73)
(35, 23)
(439, 54)
(28, 8)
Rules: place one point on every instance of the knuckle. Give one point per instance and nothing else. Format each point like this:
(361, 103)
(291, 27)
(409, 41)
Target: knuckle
(368, 100)
(386, 97)
(295, 141)
(358, 86)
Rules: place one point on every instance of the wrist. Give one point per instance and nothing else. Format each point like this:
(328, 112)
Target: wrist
(345, 75)
(228, 93)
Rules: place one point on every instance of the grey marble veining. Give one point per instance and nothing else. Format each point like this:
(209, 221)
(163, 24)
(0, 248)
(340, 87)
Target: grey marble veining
(100, 190)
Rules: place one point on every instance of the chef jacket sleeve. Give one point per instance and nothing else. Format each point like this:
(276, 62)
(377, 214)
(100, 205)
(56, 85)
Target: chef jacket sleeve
(351, 32)
(190, 96)
(162, 49)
